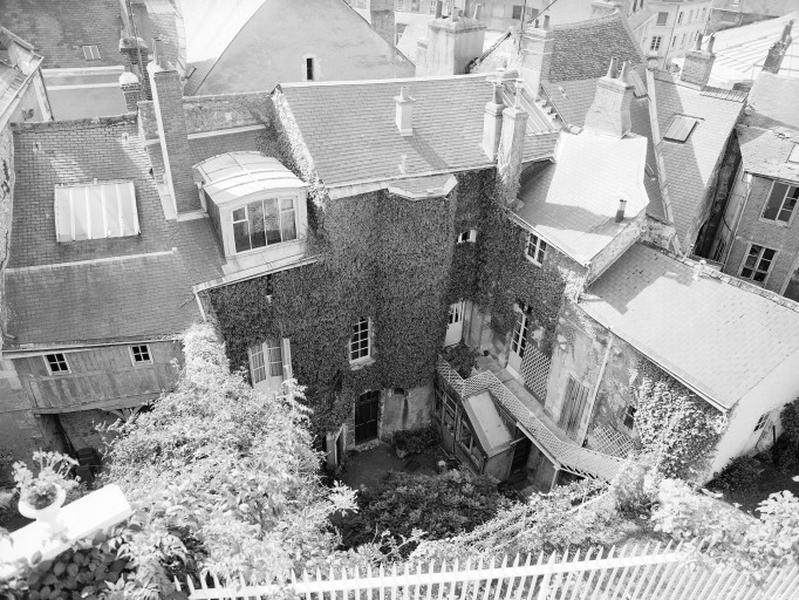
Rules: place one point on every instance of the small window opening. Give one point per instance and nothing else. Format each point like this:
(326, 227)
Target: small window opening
(309, 69)
(57, 363)
(141, 354)
(91, 52)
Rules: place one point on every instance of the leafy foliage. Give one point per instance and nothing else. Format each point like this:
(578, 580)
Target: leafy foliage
(461, 357)
(40, 490)
(785, 455)
(416, 441)
(438, 505)
(740, 475)
(789, 417)
(232, 467)
(677, 428)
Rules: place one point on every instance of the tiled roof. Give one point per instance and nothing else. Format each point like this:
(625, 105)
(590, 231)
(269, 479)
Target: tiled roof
(766, 151)
(58, 28)
(256, 44)
(572, 99)
(351, 134)
(774, 100)
(690, 165)
(59, 153)
(11, 81)
(573, 202)
(134, 297)
(583, 50)
(720, 339)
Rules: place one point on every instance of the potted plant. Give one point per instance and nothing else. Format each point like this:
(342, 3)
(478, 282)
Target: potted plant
(42, 495)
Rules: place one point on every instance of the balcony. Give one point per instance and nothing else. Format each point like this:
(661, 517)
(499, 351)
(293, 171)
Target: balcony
(531, 419)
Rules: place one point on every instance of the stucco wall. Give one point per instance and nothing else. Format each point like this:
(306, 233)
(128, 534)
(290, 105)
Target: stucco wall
(411, 410)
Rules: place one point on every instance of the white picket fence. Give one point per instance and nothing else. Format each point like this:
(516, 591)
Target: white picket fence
(630, 573)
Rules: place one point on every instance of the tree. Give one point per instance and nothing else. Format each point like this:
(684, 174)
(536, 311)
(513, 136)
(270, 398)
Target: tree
(226, 472)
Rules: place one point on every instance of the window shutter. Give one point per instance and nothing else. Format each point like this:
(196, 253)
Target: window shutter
(285, 346)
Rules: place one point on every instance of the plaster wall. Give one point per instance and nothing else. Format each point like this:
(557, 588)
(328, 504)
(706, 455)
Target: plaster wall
(771, 394)
(408, 410)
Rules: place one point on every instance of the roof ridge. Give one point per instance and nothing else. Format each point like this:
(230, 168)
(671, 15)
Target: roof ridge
(614, 16)
(311, 84)
(86, 123)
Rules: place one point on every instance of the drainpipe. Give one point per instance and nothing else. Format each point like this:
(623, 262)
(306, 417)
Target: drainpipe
(595, 391)
(747, 179)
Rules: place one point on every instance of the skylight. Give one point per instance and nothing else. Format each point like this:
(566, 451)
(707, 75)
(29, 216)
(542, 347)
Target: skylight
(680, 128)
(794, 155)
(95, 211)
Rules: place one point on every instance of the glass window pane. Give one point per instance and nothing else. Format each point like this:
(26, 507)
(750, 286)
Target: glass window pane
(240, 214)
(257, 366)
(80, 211)
(275, 359)
(271, 221)
(256, 219)
(288, 226)
(774, 201)
(241, 236)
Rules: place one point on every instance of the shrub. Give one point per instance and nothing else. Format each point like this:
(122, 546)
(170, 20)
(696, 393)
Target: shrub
(461, 357)
(738, 476)
(785, 456)
(790, 421)
(439, 505)
(40, 490)
(415, 441)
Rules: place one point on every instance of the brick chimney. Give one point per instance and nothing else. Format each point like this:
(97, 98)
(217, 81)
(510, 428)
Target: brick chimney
(171, 120)
(536, 46)
(381, 17)
(452, 43)
(511, 145)
(404, 112)
(492, 118)
(610, 111)
(138, 56)
(698, 63)
(131, 90)
(776, 53)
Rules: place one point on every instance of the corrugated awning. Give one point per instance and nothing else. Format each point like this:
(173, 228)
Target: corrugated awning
(487, 424)
(95, 210)
(233, 175)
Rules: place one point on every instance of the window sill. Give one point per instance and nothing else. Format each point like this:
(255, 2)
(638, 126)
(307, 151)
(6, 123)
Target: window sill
(357, 365)
(532, 260)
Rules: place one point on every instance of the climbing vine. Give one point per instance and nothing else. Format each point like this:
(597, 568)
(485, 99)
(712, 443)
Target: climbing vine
(679, 429)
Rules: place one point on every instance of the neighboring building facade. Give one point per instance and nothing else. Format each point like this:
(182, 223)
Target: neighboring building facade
(758, 239)
(676, 27)
(726, 14)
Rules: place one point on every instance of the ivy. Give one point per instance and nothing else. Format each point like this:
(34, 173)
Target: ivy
(676, 427)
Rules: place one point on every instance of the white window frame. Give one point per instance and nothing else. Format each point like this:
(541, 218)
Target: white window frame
(657, 40)
(762, 421)
(62, 359)
(91, 52)
(539, 249)
(776, 218)
(138, 363)
(355, 346)
(468, 236)
(756, 267)
(279, 198)
(263, 357)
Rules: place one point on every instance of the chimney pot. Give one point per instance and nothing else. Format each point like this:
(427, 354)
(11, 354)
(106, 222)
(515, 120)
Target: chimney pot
(404, 112)
(786, 32)
(623, 71)
(612, 68)
(710, 41)
(546, 21)
(620, 210)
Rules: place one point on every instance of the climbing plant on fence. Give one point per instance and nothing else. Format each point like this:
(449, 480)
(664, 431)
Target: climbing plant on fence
(676, 426)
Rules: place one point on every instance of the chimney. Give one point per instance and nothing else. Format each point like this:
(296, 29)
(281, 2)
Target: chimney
(511, 145)
(404, 112)
(492, 118)
(381, 18)
(776, 53)
(171, 120)
(610, 112)
(698, 64)
(620, 210)
(535, 49)
(131, 90)
(138, 55)
(450, 46)
(439, 9)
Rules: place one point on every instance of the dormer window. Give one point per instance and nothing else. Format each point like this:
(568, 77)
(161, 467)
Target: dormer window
(95, 211)
(256, 206)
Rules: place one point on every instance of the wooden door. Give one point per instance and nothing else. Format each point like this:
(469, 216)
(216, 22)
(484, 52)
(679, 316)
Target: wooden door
(518, 343)
(367, 409)
(574, 405)
(521, 454)
(455, 323)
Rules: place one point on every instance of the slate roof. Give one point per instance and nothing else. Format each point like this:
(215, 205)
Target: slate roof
(719, 338)
(350, 131)
(11, 81)
(572, 203)
(582, 50)
(147, 278)
(690, 165)
(255, 44)
(58, 28)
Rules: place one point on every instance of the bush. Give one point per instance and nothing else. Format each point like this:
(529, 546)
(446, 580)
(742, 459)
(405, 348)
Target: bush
(790, 421)
(439, 505)
(785, 456)
(738, 476)
(461, 357)
(416, 441)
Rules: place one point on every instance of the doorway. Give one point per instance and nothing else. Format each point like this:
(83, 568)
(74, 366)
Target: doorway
(521, 454)
(455, 323)
(518, 342)
(367, 412)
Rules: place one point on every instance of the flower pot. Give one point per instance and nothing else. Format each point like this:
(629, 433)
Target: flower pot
(400, 452)
(49, 515)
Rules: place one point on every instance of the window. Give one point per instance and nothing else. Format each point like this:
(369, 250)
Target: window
(674, 41)
(360, 340)
(794, 155)
(517, 12)
(140, 354)
(629, 417)
(781, 202)
(399, 5)
(264, 222)
(95, 211)
(761, 422)
(680, 128)
(266, 361)
(536, 249)
(521, 329)
(467, 236)
(663, 18)
(91, 52)
(679, 17)
(56, 363)
(432, 9)
(309, 69)
(655, 45)
(757, 263)
(682, 40)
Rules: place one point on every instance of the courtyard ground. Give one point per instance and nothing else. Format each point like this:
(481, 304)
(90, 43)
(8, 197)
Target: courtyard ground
(369, 467)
